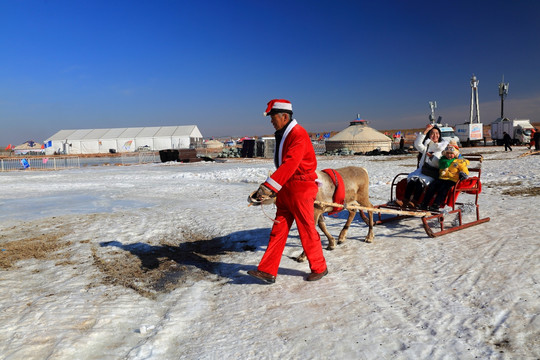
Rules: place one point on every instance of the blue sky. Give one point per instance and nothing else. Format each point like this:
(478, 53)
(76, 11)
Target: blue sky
(96, 64)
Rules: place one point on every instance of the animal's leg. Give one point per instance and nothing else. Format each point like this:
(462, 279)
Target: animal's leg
(301, 258)
(331, 240)
(343, 233)
(370, 235)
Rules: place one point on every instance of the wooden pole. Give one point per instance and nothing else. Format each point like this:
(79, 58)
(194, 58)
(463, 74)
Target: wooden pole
(376, 210)
(531, 152)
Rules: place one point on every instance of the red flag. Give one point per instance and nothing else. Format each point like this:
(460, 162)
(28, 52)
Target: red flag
(9, 147)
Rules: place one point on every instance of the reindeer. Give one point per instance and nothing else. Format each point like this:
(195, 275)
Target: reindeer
(356, 183)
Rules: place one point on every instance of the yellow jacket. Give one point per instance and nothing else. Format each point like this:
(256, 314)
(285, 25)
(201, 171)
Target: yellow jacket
(452, 171)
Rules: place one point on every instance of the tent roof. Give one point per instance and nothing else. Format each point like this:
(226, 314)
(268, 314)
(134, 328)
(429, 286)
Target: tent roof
(359, 132)
(26, 146)
(126, 133)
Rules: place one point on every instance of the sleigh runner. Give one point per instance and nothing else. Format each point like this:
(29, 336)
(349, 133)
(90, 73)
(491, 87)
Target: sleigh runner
(434, 223)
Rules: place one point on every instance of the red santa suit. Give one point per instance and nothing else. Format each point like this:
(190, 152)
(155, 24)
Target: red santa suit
(294, 183)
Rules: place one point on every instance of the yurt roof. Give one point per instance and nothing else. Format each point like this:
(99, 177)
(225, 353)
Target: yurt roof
(28, 145)
(213, 143)
(359, 131)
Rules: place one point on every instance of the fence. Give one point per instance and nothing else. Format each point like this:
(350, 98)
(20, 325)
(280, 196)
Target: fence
(58, 163)
(319, 148)
(39, 163)
(143, 157)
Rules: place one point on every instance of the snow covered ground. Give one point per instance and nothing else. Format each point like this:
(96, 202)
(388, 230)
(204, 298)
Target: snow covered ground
(149, 262)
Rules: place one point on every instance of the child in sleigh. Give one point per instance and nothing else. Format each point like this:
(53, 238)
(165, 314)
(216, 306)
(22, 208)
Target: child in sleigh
(452, 168)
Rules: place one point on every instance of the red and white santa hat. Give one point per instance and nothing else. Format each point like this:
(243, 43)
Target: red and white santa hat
(277, 106)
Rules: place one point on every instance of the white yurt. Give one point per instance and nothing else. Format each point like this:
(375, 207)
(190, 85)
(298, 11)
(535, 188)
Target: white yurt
(213, 144)
(29, 147)
(359, 137)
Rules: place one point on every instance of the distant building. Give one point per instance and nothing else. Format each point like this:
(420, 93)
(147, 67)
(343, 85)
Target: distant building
(359, 137)
(96, 141)
(29, 147)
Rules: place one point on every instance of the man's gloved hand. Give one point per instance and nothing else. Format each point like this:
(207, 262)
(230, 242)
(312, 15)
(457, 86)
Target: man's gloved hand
(263, 193)
(463, 176)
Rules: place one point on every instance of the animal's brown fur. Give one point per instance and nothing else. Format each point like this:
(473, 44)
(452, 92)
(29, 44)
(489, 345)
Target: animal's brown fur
(356, 181)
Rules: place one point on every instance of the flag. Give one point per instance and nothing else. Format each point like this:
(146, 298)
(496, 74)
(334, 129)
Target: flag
(25, 163)
(45, 160)
(9, 147)
(127, 144)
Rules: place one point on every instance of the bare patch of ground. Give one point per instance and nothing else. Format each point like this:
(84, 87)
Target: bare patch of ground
(515, 188)
(150, 270)
(40, 246)
(147, 269)
(523, 191)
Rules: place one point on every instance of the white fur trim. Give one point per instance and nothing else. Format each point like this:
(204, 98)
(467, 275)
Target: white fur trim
(287, 131)
(274, 183)
(282, 106)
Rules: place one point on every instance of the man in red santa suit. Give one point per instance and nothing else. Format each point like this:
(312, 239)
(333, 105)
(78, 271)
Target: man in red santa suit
(293, 184)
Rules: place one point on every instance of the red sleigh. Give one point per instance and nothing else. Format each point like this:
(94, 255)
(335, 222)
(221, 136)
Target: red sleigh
(437, 224)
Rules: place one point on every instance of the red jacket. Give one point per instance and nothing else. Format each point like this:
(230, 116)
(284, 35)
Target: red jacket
(296, 158)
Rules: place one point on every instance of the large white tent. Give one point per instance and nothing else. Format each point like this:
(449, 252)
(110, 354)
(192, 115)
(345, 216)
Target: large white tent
(95, 141)
(359, 137)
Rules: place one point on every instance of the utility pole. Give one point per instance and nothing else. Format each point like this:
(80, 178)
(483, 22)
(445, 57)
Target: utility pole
(503, 91)
(474, 98)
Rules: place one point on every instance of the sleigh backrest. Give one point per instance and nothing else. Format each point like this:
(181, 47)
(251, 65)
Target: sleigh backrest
(471, 185)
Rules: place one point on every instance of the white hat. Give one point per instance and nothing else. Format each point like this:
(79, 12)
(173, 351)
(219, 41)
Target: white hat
(278, 105)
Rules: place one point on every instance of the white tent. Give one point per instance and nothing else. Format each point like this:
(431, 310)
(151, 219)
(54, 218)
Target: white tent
(359, 137)
(94, 141)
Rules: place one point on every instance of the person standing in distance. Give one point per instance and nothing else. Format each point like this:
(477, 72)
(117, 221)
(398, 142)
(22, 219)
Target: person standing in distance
(293, 184)
(507, 141)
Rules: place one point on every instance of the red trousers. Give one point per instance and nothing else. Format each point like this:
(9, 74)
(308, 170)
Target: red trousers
(294, 203)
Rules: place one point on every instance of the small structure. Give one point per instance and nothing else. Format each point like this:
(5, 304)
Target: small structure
(29, 147)
(213, 144)
(265, 147)
(359, 137)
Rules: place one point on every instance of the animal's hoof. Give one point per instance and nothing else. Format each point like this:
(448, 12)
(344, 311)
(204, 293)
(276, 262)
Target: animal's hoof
(299, 259)
(369, 240)
(330, 247)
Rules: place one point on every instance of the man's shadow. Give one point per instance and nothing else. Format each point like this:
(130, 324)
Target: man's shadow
(208, 256)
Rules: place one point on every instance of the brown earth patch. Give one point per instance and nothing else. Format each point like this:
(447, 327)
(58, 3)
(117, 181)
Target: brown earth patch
(40, 247)
(523, 191)
(151, 270)
(147, 269)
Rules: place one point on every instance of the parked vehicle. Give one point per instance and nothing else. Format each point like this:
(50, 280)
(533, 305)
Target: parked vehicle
(447, 133)
(518, 129)
(470, 133)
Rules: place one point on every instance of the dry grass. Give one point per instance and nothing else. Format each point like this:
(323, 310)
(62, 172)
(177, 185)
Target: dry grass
(45, 246)
(515, 188)
(149, 270)
(523, 191)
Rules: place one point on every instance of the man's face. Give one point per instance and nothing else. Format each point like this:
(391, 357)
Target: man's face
(279, 120)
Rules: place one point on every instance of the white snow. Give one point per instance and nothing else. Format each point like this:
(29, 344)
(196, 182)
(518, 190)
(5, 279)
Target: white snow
(469, 294)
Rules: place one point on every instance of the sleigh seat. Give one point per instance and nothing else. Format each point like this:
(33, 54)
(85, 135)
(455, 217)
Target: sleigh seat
(471, 186)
